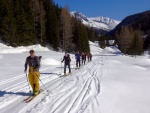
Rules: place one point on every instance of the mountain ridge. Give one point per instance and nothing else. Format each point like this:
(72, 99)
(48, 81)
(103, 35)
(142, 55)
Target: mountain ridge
(100, 22)
(131, 19)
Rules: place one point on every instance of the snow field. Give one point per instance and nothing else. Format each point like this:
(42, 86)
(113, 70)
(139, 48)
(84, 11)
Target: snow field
(111, 83)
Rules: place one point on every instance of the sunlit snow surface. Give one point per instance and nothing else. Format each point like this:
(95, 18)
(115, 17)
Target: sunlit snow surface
(111, 83)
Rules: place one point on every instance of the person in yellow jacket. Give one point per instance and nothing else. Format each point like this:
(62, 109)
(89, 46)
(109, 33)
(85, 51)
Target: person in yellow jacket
(34, 65)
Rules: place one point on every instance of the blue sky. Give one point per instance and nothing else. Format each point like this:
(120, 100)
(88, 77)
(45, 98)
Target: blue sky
(115, 9)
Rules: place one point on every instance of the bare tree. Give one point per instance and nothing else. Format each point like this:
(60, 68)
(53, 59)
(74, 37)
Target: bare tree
(124, 38)
(39, 19)
(66, 27)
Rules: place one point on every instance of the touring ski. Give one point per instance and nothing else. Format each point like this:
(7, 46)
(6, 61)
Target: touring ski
(30, 98)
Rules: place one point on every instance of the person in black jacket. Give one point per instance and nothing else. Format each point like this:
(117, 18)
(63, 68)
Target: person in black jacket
(90, 57)
(67, 63)
(83, 58)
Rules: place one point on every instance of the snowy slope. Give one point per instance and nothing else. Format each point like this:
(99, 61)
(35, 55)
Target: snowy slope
(8, 49)
(101, 22)
(111, 83)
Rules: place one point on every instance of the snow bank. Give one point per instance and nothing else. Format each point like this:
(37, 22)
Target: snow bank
(13, 50)
(8, 49)
(37, 47)
(49, 61)
(95, 49)
(148, 60)
(2, 46)
(112, 49)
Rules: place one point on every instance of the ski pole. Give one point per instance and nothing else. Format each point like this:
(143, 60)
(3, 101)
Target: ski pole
(28, 83)
(41, 82)
(61, 65)
(73, 62)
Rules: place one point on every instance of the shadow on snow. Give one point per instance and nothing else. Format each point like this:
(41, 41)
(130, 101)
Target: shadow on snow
(2, 93)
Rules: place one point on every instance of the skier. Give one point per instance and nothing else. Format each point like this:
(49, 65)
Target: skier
(83, 58)
(77, 57)
(90, 57)
(67, 63)
(34, 74)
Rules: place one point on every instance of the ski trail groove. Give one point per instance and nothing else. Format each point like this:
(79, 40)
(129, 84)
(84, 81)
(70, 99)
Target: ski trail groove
(79, 89)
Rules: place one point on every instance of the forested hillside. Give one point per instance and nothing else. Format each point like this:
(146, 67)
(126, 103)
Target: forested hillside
(133, 33)
(28, 22)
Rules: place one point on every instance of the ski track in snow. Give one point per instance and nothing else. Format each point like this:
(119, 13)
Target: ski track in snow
(86, 85)
(77, 89)
(14, 88)
(80, 90)
(87, 90)
(1, 56)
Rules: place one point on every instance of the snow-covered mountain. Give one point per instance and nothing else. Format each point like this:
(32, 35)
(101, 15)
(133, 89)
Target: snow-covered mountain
(103, 23)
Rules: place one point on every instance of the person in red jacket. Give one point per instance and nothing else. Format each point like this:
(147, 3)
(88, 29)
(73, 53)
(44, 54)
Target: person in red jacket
(88, 56)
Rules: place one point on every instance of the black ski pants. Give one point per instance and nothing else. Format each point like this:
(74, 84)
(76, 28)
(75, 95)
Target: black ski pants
(83, 61)
(77, 63)
(65, 66)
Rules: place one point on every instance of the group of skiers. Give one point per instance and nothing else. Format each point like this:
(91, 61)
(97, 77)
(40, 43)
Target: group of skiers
(78, 57)
(34, 65)
(82, 57)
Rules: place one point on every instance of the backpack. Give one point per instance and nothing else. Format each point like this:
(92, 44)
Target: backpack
(40, 57)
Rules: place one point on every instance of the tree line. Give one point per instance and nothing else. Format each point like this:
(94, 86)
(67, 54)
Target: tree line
(132, 35)
(28, 22)
(129, 40)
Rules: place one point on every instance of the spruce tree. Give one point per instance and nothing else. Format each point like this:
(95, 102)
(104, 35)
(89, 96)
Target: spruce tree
(8, 23)
(91, 35)
(82, 39)
(107, 42)
(136, 45)
(25, 24)
(102, 40)
(52, 24)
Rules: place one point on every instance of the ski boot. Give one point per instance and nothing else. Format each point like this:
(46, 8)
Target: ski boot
(36, 93)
